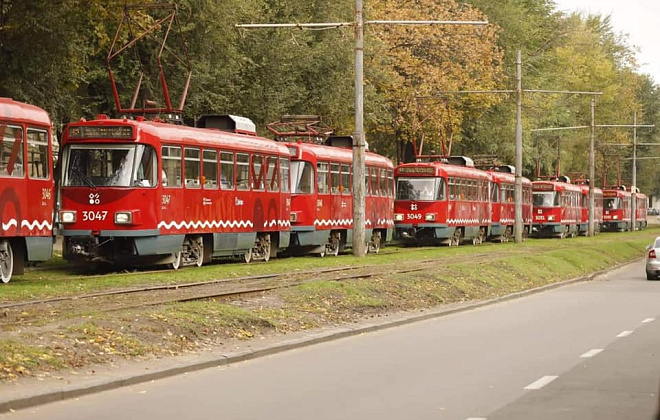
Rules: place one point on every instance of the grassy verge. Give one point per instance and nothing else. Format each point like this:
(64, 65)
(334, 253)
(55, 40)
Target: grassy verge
(465, 273)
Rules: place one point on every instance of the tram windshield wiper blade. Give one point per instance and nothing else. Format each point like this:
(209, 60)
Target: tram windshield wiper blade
(84, 177)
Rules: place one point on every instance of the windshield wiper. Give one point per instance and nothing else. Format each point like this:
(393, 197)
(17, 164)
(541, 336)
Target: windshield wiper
(84, 177)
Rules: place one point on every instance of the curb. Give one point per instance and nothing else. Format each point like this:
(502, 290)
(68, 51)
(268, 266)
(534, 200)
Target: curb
(214, 360)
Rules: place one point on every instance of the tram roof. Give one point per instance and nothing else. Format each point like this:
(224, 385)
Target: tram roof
(166, 132)
(442, 169)
(22, 112)
(507, 177)
(339, 154)
(554, 186)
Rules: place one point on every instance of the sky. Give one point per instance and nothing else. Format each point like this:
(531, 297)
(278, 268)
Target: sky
(637, 18)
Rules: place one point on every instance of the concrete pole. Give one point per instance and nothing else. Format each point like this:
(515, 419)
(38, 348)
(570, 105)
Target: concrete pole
(518, 192)
(633, 189)
(358, 138)
(592, 171)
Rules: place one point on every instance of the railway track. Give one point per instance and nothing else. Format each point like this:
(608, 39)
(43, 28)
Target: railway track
(15, 314)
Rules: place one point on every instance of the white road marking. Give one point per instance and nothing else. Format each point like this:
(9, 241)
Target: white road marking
(541, 382)
(647, 320)
(624, 334)
(591, 353)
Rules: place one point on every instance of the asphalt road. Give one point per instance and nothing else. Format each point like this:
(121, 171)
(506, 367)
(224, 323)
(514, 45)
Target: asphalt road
(586, 351)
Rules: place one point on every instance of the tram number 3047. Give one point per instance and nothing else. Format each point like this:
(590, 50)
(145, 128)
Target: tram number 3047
(94, 215)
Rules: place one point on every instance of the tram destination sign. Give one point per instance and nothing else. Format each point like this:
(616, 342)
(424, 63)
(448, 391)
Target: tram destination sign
(417, 170)
(101, 132)
(543, 187)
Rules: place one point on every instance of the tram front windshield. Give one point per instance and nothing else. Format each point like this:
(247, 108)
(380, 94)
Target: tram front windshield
(612, 203)
(103, 165)
(545, 199)
(420, 189)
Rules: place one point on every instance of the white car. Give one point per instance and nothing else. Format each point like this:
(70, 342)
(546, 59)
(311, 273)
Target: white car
(653, 260)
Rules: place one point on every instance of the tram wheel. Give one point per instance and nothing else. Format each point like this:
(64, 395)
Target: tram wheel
(6, 261)
(247, 257)
(481, 236)
(455, 239)
(200, 254)
(264, 243)
(174, 265)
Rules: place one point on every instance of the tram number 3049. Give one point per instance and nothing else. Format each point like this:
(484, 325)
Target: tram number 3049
(93, 215)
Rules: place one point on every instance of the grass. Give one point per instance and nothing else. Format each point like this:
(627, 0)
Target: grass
(459, 274)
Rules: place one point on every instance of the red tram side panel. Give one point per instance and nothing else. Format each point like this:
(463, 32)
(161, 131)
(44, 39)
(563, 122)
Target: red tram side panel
(441, 203)
(598, 209)
(322, 199)
(556, 208)
(641, 210)
(26, 187)
(152, 192)
(503, 204)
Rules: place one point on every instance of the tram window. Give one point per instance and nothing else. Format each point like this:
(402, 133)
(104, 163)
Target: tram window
(242, 171)
(285, 174)
(302, 177)
(258, 172)
(145, 171)
(334, 178)
(11, 152)
(390, 183)
(226, 170)
(345, 179)
(367, 184)
(382, 181)
(37, 154)
(494, 193)
(171, 166)
(374, 182)
(272, 179)
(323, 181)
(191, 168)
(210, 167)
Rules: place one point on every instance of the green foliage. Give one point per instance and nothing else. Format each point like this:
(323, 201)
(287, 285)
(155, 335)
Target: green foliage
(53, 55)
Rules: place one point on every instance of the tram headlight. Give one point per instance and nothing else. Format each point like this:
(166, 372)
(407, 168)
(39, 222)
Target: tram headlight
(615, 217)
(123, 217)
(293, 217)
(67, 216)
(430, 217)
(551, 218)
(398, 217)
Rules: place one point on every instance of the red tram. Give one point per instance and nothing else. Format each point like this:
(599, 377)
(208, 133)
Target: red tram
(503, 205)
(598, 209)
(322, 199)
(26, 186)
(556, 207)
(616, 209)
(438, 202)
(137, 191)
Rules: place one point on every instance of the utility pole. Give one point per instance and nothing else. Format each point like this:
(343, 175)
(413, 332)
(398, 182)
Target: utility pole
(359, 142)
(518, 192)
(591, 231)
(633, 189)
